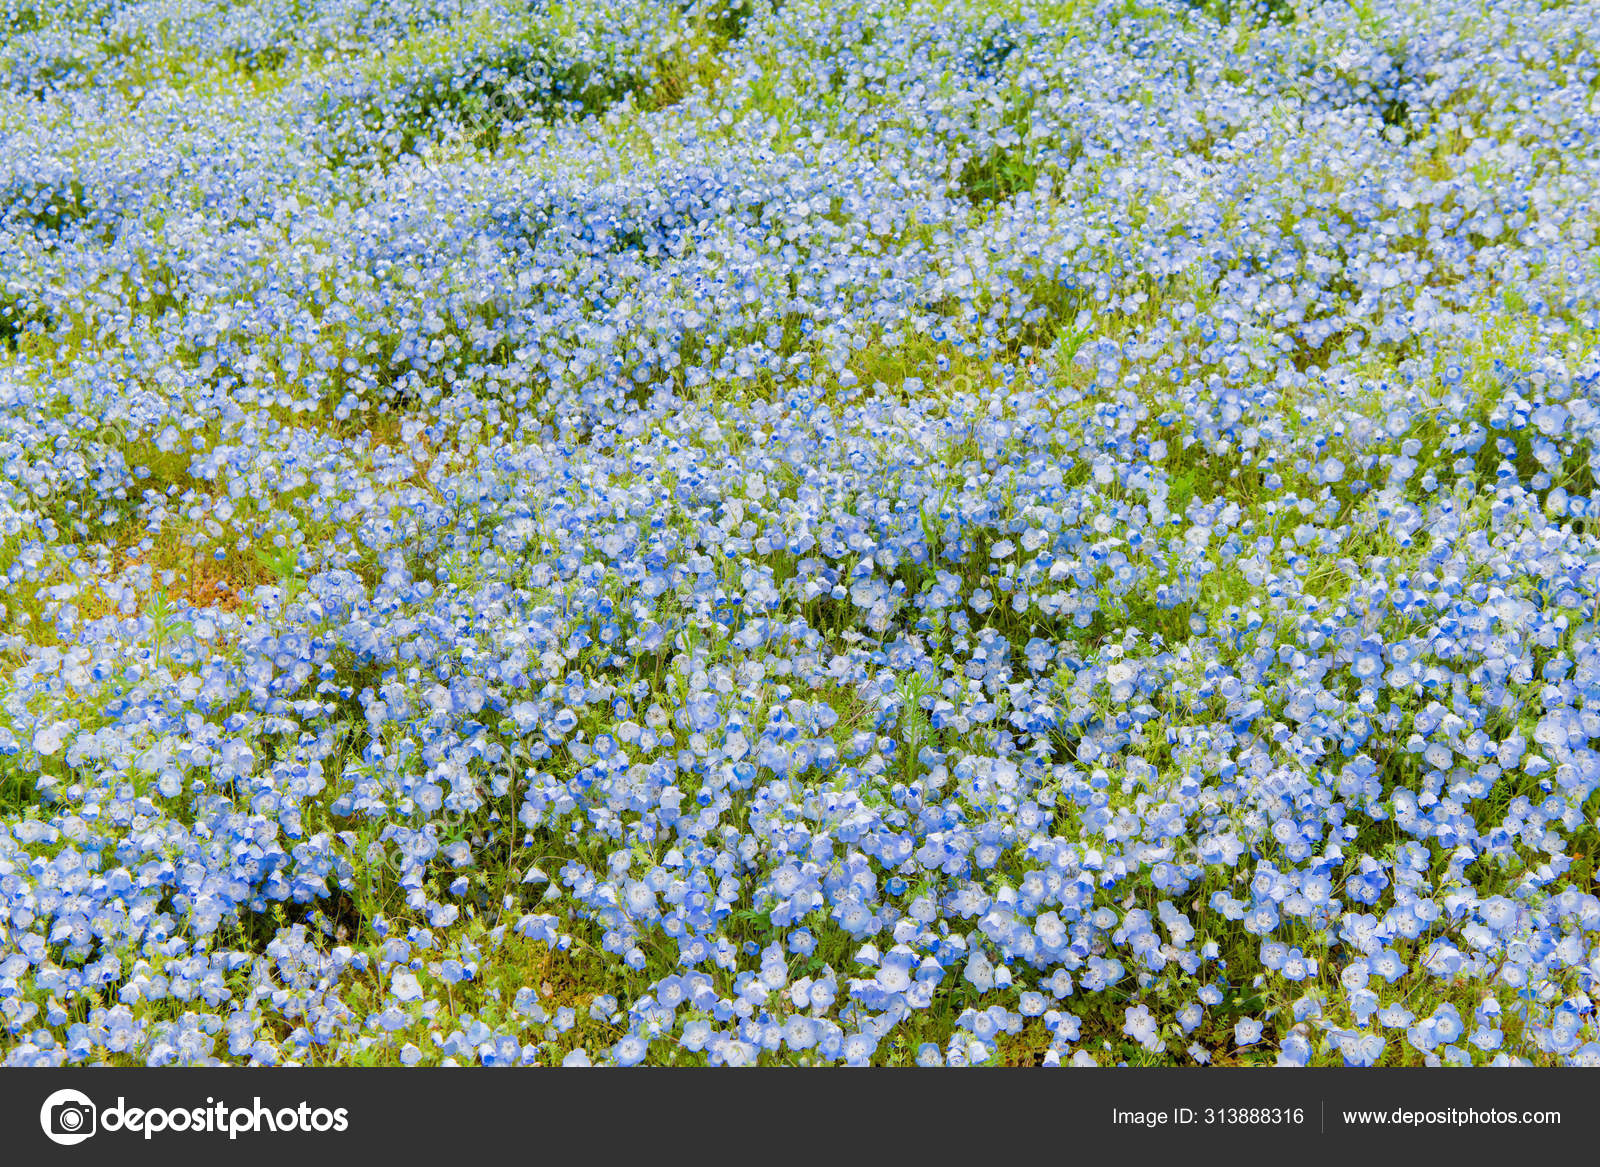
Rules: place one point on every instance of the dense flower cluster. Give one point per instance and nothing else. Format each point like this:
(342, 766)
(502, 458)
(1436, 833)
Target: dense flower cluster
(829, 533)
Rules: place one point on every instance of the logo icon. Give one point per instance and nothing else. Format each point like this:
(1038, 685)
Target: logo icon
(68, 1117)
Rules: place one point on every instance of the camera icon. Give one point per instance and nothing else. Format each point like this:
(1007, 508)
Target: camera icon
(68, 1117)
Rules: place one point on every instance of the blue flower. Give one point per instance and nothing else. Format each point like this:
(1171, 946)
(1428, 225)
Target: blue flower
(963, 522)
(1295, 1051)
(630, 1051)
(1361, 1048)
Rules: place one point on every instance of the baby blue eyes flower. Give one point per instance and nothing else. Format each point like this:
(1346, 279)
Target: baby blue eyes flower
(800, 1033)
(393, 1018)
(894, 979)
(526, 1002)
(48, 740)
(1247, 1031)
(1362, 1048)
(1499, 913)
(452, 972)
(630, 1051)
(979, 972)
(1447, 1024)
(1395, 1016)
(1140, 1024)
(1586, 1055)
(404, 987)
(1387, 964)
(858, 1049)
(548, 587)
(1362, 1003)
(1295, 1051)
(822, 995)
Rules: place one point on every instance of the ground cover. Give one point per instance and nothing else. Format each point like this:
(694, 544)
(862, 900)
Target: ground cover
(804, 533)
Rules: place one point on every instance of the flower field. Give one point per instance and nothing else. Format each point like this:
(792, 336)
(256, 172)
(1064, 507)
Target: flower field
(891, 532)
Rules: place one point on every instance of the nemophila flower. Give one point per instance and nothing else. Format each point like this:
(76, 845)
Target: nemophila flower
(1247, 1031)
(48, 740)
(800, 1033)
(1387, 964)
(1499, 913)
(630, 1051)
(858, 1049)
(527, 1004)
(411, 508)
(979, 972)
(1396, 1016)
(1423, 1036)
(1361, 1048)
(404, 986)
(1354, 976)
(392, 1018)
(1587, 1055)
(1487, 1038)
(1447, 1024)
(1362, 1004)
(1295, 1051)
(1141, 1025)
